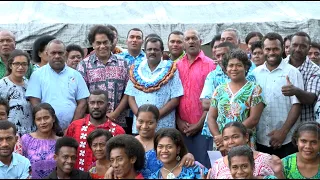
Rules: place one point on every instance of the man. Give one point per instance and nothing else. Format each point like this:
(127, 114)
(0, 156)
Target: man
(7, 45)
(280, 115)
(59, 85)
(175, 46)
(12, 165)
(79, 129)
(314, 53)
(193, 69)
(160, 91)
(230, 35)
(134, 43)
(213, 44)
(299, 48)
(106, 71)
(65, 156)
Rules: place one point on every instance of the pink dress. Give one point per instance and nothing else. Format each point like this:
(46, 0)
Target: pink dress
(262, 168)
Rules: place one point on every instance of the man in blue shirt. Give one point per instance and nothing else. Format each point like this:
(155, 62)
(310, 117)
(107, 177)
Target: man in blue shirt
(12, 165)
(59, 85)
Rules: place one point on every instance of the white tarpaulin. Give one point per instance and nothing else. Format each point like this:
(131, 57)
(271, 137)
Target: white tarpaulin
(31, 19)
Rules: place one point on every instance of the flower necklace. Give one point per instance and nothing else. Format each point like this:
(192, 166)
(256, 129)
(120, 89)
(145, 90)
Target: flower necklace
(151, 84)
(171, 175)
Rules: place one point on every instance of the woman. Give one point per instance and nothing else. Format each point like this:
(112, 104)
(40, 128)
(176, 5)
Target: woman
(286, 44)
(257, 53)
(13, 88)
(147, 118)
(239, 100)
(39, 146)
(304, 164)
(170, 148)
(126, 155)
(241, 163)
(97, 141)
(250, 39)
(236, 134)
(74, 55)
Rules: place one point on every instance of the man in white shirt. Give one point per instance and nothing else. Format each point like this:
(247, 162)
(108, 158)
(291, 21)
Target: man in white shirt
(279, 117)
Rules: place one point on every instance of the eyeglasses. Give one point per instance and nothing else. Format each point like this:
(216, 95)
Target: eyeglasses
(18, 64)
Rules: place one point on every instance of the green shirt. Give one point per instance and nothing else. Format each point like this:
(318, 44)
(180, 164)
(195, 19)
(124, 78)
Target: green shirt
(3, 69)
(180, 57)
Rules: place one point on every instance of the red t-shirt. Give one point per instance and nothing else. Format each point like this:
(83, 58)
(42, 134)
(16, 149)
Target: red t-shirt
(79, 130)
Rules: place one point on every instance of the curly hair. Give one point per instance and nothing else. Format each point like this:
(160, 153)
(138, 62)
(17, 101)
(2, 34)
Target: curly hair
(132, 147)
(74, 47)
(39, 46)
(100, 29)
(66, 141)
(237, 54)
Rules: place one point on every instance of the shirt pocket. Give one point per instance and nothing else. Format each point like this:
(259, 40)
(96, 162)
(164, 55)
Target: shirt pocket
(277, 86)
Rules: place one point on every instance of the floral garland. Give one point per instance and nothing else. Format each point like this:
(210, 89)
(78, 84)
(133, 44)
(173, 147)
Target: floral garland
(153, 84)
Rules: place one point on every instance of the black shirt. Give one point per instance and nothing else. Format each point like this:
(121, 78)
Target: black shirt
(75, 174)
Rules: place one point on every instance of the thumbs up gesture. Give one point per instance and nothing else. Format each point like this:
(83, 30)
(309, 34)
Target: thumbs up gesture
(289, 89)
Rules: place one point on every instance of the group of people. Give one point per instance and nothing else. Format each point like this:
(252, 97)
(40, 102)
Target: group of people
(144, 113)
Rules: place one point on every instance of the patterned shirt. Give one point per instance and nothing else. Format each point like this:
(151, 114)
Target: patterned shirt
(160, 97)
(129, 58)
(20, 113)
(3, 69)
(192, 77)
(311, 80)
(112, 77)
(317, 110)
(275, 114)
(79, 130)
(291, 170)
(213, 80)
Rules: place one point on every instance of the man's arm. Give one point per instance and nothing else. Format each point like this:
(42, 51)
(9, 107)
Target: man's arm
(306, 97)
(81, 109)
(254, 117)
(34, 101)
(169, 107)
(206, 104)
(121, 107)
(194, 128)
(133, 105)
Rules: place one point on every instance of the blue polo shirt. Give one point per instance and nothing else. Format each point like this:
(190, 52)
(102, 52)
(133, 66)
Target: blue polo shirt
(18, 169)
(61, 90)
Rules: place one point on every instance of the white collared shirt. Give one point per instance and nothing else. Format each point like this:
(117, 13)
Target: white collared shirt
(278, 106)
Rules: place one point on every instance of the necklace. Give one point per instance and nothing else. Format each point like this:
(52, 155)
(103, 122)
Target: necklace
(171, 175)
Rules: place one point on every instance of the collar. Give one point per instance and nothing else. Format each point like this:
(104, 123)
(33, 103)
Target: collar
(54, 175)
(180, 57)
(87, 122)
(95, 58)
(144, 65)
(63, 70)
(14, 160)
(200, 56)
(306, 61)
(281, 66)
(127, 54)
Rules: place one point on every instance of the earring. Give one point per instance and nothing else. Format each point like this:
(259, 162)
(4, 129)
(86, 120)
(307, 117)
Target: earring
(178, 158)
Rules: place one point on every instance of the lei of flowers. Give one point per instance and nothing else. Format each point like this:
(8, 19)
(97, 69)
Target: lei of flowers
(149, 85)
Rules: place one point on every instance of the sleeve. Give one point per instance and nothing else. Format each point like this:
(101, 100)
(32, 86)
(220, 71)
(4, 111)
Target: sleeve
(214, 170)
(285, 164)
(23, 142)
(313, 84)
(70, 130)
(297, 80)
(82, 89)
(130, 89)
(176, 89)
(215, 98)
(257, 96)
(208, 87)
(26, 172)
(198, 166)
(81, 68)
(34, 85)
(3, 90)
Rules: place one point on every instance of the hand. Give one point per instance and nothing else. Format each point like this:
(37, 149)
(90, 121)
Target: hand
(187, 160)
(109, 174)
(276, 164)
(276, 138)
(218, 140)
(289, 89)
(112, 116)
(182, 125)
(193, 129)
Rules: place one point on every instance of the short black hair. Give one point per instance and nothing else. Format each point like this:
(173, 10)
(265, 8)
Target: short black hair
(39, 46)
(149, 108)
(273, 36)
(112, 28)
(46, 106)
(315, 45)
(15, 53)
(257, 44)
(99, 92)
(174, 135)
(75, 47)
(153, 40)
(214, 39)
(5, 125)
(227, 44)
(100, 29)
(310, 126)
(244, 131)
(253, 34)
(5, 103)
(243, 150)
(304, 34)
(56, 41)
(66, 141)
(151, 36)
(98, 133)
(135, 29)
(237, 54)
(131, 146)
(175, 33)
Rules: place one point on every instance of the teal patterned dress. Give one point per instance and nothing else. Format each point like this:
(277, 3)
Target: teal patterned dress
(291, 171)
(236, 107)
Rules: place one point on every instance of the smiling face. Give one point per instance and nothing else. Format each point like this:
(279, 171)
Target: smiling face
(121, 163)
(65, 159)
(44, 121)
(102, 46)
(236, 70)
(308, 145)
(272, 52)
(146, 124)
(241, 168)
(167, 150)
(19, 66)
(233, 137)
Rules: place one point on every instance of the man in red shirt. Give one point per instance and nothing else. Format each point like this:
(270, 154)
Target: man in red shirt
(79, 129)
